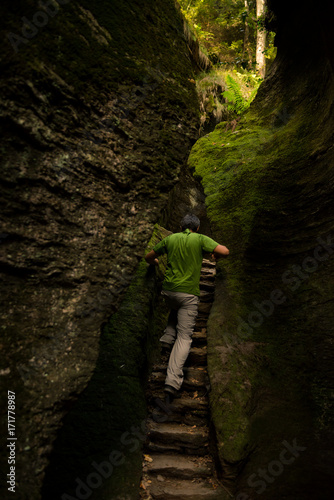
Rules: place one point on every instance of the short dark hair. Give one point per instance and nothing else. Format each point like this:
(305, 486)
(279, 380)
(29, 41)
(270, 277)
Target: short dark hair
(190, 221)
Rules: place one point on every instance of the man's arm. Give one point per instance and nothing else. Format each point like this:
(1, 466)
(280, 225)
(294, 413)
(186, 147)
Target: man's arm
(220, 251)
(152, 258)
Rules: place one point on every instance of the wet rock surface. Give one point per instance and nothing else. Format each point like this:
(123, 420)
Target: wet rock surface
(97, 116)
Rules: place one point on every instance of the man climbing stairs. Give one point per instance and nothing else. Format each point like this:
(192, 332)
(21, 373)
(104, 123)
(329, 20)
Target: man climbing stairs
(177, 463)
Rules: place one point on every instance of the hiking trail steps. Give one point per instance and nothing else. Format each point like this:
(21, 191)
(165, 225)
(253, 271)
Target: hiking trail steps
(177, 464)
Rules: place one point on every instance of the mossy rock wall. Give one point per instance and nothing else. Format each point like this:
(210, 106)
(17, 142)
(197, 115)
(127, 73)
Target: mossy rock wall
(98, 114)
(269, 187)
(103, 434)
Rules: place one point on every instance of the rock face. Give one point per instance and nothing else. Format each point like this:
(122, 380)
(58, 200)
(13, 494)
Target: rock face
(269, 187)
(98, 113)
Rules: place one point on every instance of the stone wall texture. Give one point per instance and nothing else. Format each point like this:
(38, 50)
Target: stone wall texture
(98, 113)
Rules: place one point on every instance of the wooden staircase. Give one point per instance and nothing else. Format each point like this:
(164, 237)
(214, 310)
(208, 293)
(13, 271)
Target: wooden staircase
(177, 464)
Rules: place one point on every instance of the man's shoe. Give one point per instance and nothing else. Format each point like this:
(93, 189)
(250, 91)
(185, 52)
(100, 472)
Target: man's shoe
(170, 389)
(170, 393)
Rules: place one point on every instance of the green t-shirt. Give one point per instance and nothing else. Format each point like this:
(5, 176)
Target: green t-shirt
(184, 260)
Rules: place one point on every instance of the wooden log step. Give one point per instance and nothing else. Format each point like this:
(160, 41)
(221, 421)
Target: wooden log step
(172, 465)
(202, 329)
(206, 296)
(154, 446)
(160, 416)
(201, 322)
(207, 285)
(169, 489)
(199, 337)
(197, 405)
(207, 264)
(198, 376)
(195, 383)
(189, 410)
(208, 271)
(188, 370)
(197, 356)
(193, 439)
(204, 307)
(209, 279)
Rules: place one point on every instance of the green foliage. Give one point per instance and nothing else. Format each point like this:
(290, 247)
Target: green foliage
(216, 86)
(270, 51)
(220, 27)
(237, 101)
(227, 30)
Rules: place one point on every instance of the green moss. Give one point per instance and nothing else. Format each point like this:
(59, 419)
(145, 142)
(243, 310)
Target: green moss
(131, 340)
(233, 369)
(111, 413)
(94, 62)
(133, 327)
(233, 167)
(252, 178)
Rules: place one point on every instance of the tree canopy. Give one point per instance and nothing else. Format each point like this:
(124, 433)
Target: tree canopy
(227, 30)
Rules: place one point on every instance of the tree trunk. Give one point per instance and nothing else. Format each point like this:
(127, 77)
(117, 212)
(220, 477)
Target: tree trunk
(261, 38)
(246, 47)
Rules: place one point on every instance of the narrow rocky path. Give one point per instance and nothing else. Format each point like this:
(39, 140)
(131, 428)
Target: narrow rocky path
(177, 463)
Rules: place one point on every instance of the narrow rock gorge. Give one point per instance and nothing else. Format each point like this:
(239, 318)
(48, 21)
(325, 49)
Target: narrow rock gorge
(99, 114)
(269, 191)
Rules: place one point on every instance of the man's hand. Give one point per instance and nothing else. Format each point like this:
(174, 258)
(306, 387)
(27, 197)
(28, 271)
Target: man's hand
(219, 252)
(152, 258)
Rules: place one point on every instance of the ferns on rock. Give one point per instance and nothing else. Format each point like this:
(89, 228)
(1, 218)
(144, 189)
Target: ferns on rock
(235, 99)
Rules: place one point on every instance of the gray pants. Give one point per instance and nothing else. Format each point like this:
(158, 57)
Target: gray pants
(179, 330)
